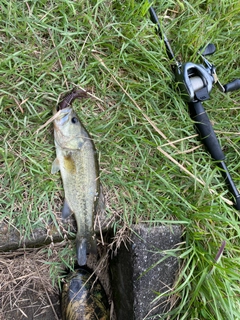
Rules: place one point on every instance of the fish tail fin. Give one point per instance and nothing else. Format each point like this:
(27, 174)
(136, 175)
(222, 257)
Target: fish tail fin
(85, 246)
(81, 244)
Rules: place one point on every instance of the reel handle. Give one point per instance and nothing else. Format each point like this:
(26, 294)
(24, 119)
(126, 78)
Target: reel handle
(205, 130)
(232, 86)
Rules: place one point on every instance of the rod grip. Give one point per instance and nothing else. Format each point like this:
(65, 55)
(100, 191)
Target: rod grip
(205, 130)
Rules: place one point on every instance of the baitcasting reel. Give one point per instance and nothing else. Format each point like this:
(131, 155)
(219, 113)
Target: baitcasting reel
(196, 80)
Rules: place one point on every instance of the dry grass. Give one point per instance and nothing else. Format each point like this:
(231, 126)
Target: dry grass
(26, 287)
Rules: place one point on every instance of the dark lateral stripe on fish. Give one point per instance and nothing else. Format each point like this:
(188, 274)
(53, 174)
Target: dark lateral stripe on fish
(70, 97)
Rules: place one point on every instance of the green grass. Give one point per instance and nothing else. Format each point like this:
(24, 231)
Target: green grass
(110, 47)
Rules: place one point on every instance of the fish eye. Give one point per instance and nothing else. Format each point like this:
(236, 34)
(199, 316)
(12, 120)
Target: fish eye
(74, 120)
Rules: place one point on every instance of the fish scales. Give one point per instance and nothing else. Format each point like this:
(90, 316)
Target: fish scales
(80, 184)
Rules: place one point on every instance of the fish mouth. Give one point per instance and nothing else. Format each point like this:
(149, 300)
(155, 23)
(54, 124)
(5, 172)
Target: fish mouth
(63, 116)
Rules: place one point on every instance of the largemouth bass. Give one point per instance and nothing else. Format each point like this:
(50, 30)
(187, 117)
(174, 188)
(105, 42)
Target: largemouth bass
(77, 162)
(83, 298)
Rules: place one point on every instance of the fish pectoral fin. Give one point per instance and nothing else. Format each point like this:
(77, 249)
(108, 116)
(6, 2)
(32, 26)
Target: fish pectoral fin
(55, 166)
(66, 211)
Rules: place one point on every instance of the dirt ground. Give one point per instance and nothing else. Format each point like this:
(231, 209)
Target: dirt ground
(26, 290)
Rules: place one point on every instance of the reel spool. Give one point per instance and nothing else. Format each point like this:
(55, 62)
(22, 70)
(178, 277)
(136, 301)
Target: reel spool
(195, 82)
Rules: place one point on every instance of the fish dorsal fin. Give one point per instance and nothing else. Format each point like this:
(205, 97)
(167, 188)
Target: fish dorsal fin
(100, 204)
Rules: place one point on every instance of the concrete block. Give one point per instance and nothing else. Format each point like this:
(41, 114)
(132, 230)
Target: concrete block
(139, 271)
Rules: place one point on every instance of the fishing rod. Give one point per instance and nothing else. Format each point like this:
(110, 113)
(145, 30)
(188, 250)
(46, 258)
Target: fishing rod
(195, 83)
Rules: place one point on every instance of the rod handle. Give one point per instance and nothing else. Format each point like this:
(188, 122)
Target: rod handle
(205, 130)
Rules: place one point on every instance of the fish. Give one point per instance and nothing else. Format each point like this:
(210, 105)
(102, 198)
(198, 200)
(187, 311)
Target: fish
(76, 159)
(83, 297)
